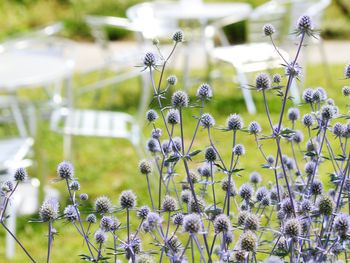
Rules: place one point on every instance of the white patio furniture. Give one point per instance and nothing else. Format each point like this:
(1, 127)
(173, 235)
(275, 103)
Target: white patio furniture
(162, 18)
(315, 9)
(16, 152)
(258, 54)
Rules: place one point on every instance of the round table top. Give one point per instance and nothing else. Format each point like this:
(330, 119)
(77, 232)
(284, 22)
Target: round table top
(23, 68)
(196, 11)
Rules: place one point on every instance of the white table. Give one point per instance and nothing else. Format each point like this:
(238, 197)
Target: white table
(203, 11)
(20, 69)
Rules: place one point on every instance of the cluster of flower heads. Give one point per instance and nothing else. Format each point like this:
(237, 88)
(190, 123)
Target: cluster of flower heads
(198, 209)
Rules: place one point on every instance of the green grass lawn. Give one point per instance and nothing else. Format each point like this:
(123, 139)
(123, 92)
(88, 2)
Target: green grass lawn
(19, 16)
(108, 166)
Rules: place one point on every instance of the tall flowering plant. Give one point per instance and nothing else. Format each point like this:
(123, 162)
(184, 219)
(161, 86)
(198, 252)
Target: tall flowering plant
(202, 215)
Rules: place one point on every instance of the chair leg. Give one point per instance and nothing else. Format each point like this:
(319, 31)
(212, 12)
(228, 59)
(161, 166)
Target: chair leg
(325, 64)
(11, 225)
(242, 79)
(294, 91)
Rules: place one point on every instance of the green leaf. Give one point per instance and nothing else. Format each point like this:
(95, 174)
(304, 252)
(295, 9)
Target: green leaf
(172, 158)
(194, 153)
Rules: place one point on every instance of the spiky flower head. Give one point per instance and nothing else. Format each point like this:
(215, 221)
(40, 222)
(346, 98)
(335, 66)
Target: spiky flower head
(155, 41)
(248, 241)
(65, 170)
(246, 191)
(225, 186)
(222, 224)
(153, 145)
(192, 223)
(91, 218)
(277, 78)
(234, 122)
(242, 217)
(292, 228)
(325, 205)
(304, 25)
(252, 222)
(186, 196)
(74, 186)
(347, 71)
(156, 133)
(178, 36)
(49, 210)
(293, 69)
(142, 212)
(145, 167)
(341, 224)
(293, 114)
(274, 194)
(169, 204)
(207, 121)
(338, 129)
(204, 92)
(194, 177)
(268, 30)
(255, 178)
(254, 127)
(327, 112)
(84, 197)
(316, 187)
(172, 80)
(261, 193)
(270, 160)
(20, 174)
(106, 223)
(7, 186)
(153, 219)
(305, 207)
(297, 137)
(240, 256)
(310, 168)
(103, 205)
(210, 154)
(173, 116)
(149, 60)
(70, 213)
(308, 120)
(178, 219)
(100, 236)
(308, 95)
(174, 244)
(196, 207)
(127, 199)
(287, 206)
(312, 145)
(322, 92)
(205, 171)
(151, 115)
(179, 99)
(132, 248)
(239, 149)
(262, 81)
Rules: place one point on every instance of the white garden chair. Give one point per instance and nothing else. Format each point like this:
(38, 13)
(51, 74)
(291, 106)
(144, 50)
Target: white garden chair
(16, 152)
(258, 54)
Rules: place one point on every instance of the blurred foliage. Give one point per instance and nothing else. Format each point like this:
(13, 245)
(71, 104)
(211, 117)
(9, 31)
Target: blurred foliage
(21, 15)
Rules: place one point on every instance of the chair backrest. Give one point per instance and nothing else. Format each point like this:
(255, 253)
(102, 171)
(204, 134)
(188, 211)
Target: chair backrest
(144, 16)
(313, 8)
(269, 13)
